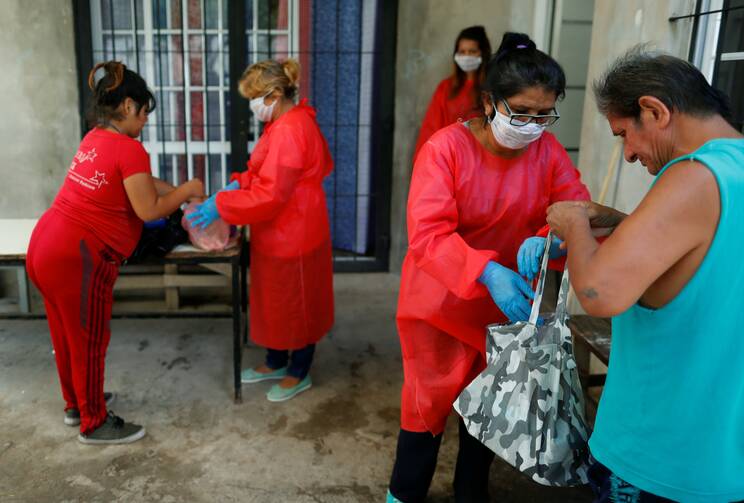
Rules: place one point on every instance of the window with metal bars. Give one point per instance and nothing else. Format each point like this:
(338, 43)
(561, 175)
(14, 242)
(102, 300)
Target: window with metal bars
(181, 49)
(718, 49)
(192, 52)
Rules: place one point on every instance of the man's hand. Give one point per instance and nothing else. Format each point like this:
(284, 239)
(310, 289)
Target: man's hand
(564, 215)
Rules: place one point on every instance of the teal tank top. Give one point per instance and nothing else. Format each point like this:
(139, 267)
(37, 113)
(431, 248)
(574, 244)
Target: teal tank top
(671, 416)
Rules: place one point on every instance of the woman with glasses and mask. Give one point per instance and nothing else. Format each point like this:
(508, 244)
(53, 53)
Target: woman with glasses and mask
(479, 189)
(281, 197)
(458, 96)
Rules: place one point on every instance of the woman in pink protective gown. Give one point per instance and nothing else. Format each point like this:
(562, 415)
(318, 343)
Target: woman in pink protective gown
(479, 192)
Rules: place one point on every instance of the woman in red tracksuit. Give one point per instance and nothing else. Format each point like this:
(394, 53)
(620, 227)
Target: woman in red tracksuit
(281, 197)
(478, 196)
(78, 244)
(458, 96)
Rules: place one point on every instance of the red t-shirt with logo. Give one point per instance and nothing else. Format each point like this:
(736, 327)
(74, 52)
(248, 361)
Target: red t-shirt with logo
(93, 192)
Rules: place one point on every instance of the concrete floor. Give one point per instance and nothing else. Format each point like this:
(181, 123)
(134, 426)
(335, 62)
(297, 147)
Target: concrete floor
(334, 443)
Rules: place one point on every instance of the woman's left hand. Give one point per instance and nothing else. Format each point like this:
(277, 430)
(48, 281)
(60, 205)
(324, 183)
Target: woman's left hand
(531, 252)
(563, 215)
(206, 213)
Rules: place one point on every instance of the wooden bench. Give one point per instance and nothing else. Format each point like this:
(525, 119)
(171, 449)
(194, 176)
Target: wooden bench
(591, 336)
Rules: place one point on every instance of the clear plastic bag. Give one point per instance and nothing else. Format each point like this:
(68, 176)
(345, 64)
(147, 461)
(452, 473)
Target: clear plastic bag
(216, 237)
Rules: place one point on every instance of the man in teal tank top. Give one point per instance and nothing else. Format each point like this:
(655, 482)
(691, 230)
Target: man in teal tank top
(670, 424)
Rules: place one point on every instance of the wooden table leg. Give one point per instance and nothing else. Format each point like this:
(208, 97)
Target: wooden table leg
(24, 302)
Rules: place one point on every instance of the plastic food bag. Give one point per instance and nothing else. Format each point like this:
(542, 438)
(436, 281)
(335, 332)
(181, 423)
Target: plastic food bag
(214, 238)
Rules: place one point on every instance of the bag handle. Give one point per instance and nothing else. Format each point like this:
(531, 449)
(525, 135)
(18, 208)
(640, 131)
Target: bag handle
(561, 310)
(535, 312)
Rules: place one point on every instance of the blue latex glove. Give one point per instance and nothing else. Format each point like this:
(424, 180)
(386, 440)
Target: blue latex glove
(205, 213)
(234, 185)
(530, 254)
(509, 291)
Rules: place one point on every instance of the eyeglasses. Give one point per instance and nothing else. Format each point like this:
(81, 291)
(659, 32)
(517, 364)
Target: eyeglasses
(524, 119)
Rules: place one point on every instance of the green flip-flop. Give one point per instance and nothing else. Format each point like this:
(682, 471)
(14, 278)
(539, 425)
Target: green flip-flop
(391, 499)
(279, 394)
(250, 376)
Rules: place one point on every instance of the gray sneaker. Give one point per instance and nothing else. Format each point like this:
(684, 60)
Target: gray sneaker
(72, 416)
(113, 431)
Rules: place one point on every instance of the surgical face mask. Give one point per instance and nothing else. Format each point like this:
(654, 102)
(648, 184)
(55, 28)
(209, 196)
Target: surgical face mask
(468, 63)
(510, 136)
(262, 111)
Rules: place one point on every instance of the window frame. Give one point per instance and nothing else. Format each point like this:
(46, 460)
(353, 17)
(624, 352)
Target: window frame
(708, 33)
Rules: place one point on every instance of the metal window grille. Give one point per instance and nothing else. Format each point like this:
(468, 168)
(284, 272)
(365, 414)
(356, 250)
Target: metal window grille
(181, 49)
(192, 53)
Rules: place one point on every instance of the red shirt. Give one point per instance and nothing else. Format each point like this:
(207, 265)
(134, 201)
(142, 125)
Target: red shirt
(444, 110)
(93, 192)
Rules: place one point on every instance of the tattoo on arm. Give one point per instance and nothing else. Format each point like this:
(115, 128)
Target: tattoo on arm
(590, 293)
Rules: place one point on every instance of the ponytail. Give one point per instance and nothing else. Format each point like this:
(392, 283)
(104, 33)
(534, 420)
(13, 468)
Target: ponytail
(114, 75)
(117, 84)
(292, 70)
(518, 65)
(265, 76)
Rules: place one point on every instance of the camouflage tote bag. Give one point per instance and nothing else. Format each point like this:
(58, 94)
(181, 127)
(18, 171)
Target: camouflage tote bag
(527, 405)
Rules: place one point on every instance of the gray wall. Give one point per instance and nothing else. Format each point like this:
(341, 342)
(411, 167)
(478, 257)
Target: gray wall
(40, 129)
(617, 27)
(39, 99)
(426, 35)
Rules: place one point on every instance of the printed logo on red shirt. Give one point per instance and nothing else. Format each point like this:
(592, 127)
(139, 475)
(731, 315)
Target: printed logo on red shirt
(92, 183)
(81, 157)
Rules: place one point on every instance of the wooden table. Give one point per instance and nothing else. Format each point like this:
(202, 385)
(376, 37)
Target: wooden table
(15, 235)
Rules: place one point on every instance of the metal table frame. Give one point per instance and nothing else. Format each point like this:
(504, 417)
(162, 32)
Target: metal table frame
(238, 259)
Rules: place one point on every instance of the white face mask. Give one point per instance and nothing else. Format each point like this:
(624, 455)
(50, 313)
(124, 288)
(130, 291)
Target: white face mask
(468, 63)
(513, 137)
(262, 111)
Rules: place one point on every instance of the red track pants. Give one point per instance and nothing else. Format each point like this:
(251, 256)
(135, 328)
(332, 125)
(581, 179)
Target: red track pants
(75, 273)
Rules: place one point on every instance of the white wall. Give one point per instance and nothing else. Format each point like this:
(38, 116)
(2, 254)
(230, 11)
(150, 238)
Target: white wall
(617, 27)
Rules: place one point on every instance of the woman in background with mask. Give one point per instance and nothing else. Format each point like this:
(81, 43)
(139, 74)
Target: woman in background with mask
(458, 96)
(479, 189)
(281, 197)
